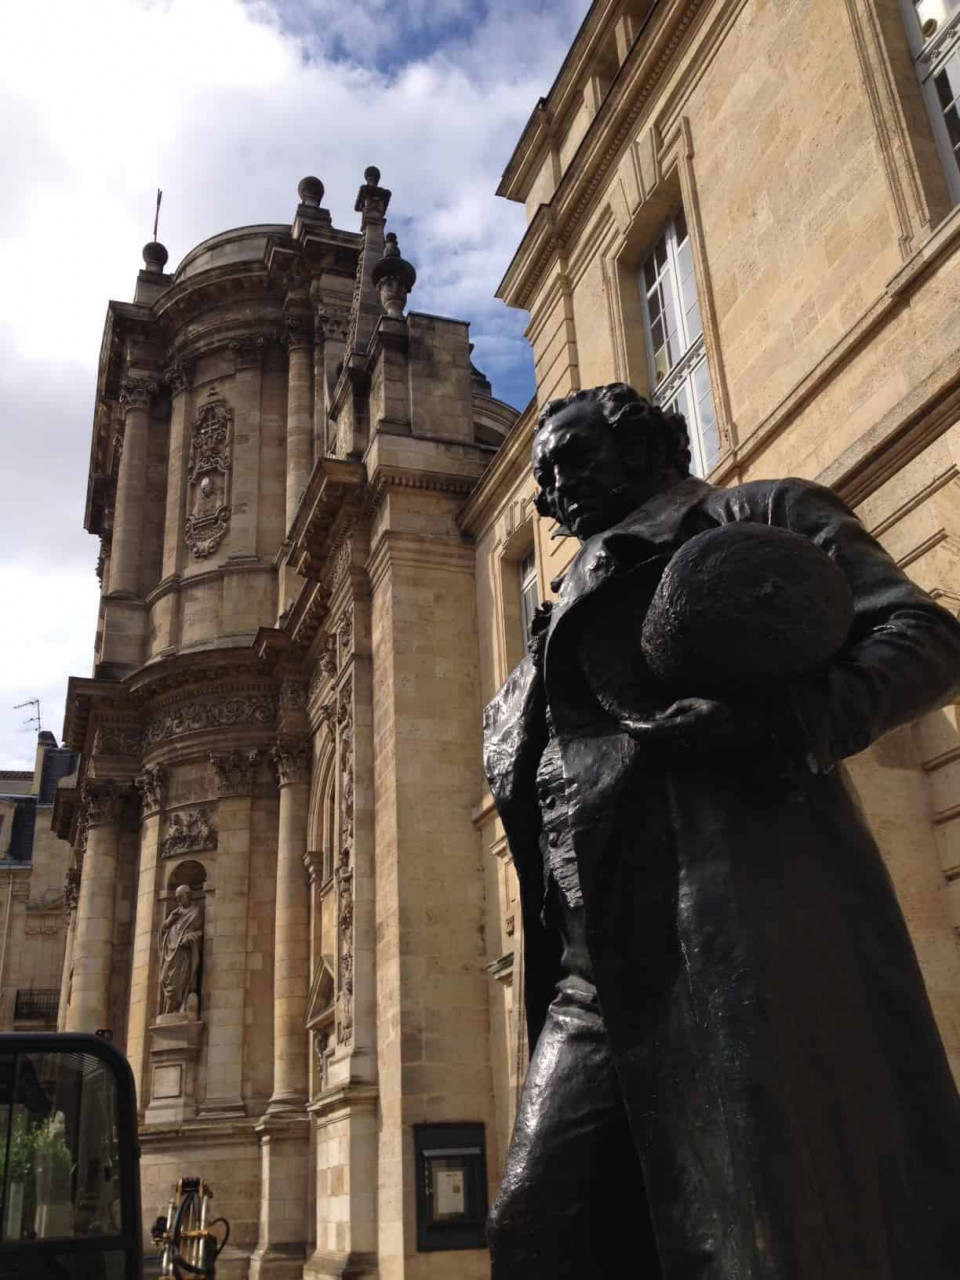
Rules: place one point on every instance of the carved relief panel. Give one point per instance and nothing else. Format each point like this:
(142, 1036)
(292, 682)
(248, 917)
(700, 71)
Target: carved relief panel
(208, 476)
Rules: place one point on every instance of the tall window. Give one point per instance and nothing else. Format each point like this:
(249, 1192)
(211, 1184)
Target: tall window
(934, 30)
(529, 596)
(674, 332)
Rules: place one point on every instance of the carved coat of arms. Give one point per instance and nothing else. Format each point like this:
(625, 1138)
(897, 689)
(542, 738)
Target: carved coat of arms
(208, 476)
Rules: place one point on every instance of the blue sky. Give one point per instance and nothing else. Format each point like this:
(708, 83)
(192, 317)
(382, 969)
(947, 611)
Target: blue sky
(225, 104)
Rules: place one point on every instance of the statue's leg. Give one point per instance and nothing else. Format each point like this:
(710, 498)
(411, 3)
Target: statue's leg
(572, 1204)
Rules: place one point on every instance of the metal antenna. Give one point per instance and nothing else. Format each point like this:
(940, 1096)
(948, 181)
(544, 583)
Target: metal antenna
(35, 718)
(156, 218)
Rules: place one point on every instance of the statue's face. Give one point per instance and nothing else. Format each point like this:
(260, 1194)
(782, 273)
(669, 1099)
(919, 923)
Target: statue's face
(577, 464)
(182, 895)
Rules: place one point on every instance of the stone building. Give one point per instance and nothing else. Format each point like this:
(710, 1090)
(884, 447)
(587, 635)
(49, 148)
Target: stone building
(749, 208)
(33, 926)
(319, 552)
(281, 904)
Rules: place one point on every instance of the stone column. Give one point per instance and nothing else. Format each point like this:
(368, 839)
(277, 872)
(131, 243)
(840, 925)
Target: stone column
(284, 1130)
(291, 972)
(96, 909)
(126, 553)
(299, 412)
(235, 773)
(178, 378)
(152, 787)
(71, 892)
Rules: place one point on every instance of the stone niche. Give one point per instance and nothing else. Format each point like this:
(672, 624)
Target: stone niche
(176, 1033)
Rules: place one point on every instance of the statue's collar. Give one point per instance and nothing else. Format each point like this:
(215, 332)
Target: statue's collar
(655, 523)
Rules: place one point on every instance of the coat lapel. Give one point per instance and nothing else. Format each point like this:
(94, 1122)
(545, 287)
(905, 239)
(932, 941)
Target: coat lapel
(652, 526)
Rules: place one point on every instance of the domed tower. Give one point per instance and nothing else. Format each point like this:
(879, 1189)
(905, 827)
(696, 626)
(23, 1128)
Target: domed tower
(279, 740)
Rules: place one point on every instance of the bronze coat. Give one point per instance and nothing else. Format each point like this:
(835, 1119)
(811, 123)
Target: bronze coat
(787, 1089)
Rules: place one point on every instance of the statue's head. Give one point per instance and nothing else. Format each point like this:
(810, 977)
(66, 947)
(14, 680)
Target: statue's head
(598, 454)
(182, 895)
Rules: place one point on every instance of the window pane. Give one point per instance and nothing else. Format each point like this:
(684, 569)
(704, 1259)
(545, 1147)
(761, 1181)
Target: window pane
(947, 81)
(660, 253)
(64, 1160)
(933, 14)
(649, 273)
(680, 226)
(706, 415)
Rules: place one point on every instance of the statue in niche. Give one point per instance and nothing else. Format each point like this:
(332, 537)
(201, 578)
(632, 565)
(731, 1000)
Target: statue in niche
(208, 476)
(181, 945)
(735, 1070)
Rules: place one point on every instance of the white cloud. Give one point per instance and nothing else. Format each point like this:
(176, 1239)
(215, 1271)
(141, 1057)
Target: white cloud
(225, 105)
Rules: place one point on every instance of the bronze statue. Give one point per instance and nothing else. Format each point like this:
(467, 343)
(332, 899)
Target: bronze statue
(180, 944)
(735, 1072)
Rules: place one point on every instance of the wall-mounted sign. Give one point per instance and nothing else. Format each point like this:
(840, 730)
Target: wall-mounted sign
(451, 1186)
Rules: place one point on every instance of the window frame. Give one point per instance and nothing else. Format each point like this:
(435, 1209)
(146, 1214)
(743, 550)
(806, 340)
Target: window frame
(682, 372)
(930, 57)
(527, 577)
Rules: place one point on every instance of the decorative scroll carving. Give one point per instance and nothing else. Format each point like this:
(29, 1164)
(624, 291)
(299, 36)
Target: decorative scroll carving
(181, 946)
(328, 656)
(344, 873)
(208, 473)
(152, 785)
(103, 803)
(345, 636)
(106, 542)
(190, 832)
(137, 393)
(256, 709)
(71, 888)
(234, 771)
(114, 740)
(313, 862)
(292, 758)
(343, 563)
(177, 375)
(248, 350)
(296, 332)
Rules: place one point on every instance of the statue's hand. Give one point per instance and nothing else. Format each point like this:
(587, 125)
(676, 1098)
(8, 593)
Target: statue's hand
(702, 727)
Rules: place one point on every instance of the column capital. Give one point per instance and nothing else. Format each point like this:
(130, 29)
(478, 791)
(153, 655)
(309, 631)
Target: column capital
(152, 785)
(296, 333)
(137, 393)
(103, 802)
(248, 350)
(234, 771)
(178, 374)
(292, 757)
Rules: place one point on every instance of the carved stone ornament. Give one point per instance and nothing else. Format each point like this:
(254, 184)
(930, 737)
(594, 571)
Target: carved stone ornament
(248, 350)
(114, 740)
(71, 888)
(297, 333)
(177, 375)
(208, 475)
(344, 873)
(253, 709)
(293, 695)
(152, 785)
(334, 323)
(103, 803)
(345, 636)
(137, 393)
(328, 656)
(189, 832)
(292, 758)
(234, 771)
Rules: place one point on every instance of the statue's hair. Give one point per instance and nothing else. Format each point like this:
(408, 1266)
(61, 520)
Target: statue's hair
(649, 437)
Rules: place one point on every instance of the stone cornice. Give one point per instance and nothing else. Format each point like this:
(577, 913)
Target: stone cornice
(561, 96)
(330, 503)
(558, 223)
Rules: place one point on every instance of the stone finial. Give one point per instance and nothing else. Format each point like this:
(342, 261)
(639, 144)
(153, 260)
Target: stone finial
(393, 277)
(372, 199)
(310, 191)
(155, 256)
